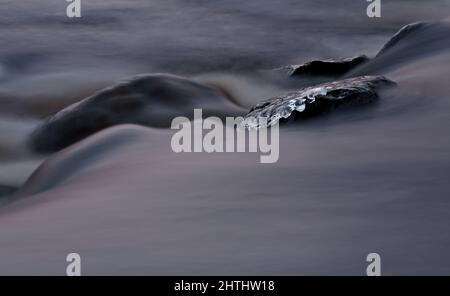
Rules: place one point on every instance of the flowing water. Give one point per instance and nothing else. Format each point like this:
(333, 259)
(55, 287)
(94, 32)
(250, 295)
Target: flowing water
(346, 185)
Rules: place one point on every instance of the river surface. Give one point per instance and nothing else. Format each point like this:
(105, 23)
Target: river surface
(374, 180)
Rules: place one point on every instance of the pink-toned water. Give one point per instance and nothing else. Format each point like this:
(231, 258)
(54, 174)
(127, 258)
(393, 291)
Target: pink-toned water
(345, 185)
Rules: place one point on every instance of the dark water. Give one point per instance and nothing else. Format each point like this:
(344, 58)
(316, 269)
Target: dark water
(345, 186)
(117, 38)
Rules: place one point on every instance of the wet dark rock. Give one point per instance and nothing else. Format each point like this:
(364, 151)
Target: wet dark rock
(149, 100)
(315, 100)
(330, 67)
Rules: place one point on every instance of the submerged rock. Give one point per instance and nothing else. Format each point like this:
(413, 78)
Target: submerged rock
(403, 34)
(411, 43)
(149, 100)
(6, 190)
(317, 99)
(90, 153)
(330, 67)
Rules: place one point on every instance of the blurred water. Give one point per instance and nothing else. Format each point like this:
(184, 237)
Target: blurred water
(191, 36)
(48, 60)
(345, 186)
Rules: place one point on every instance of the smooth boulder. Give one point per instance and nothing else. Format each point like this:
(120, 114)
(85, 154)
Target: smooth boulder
(149, 100)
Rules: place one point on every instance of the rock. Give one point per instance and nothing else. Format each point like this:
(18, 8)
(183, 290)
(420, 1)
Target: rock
(416, 40)
(6, 190)
(411, 43)
(149, 100)
(92, 152)
(403, 34)
(311, 101)
(330, 67)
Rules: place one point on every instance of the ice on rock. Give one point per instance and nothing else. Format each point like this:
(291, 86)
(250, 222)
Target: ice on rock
(314, 100)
